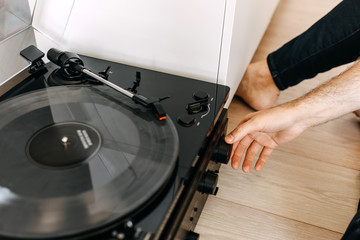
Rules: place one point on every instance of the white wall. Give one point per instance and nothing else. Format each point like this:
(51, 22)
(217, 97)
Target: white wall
(181, 37)
(211, 40)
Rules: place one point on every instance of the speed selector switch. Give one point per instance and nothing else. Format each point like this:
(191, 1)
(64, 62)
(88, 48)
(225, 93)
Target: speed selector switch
(222, 151)
(208, 183)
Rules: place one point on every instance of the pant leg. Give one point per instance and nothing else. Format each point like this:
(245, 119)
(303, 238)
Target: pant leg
(332, 41)
(353, 230)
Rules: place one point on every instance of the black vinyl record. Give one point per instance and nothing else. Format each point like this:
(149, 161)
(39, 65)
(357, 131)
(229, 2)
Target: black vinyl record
(75, 159)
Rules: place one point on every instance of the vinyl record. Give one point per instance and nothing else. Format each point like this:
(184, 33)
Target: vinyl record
(75, 159)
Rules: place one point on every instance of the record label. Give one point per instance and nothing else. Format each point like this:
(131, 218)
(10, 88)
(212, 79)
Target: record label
(63, 144)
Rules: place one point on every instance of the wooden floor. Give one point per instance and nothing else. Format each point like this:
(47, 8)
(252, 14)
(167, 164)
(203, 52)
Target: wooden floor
(310, 187)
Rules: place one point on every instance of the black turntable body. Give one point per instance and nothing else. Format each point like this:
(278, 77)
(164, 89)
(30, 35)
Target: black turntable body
(92, 149)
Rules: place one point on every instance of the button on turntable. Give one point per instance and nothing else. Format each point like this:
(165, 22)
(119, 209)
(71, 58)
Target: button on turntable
(200, 95)
(186, 120)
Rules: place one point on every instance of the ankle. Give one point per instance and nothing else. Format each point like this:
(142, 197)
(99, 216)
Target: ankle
(263, 73)
(257, 87)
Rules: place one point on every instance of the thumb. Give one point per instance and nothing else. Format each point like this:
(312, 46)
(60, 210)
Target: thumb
(238, 133)
(229, 138)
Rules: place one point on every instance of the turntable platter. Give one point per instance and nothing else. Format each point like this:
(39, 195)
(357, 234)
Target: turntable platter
(75, 159)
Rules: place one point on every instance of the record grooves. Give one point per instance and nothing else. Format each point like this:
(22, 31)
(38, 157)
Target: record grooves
(118, 162)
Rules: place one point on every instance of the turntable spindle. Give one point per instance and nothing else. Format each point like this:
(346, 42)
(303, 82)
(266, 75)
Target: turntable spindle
(65, 142)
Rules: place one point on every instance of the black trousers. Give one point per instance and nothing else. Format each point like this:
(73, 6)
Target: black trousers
(332, 41)
(353, 230)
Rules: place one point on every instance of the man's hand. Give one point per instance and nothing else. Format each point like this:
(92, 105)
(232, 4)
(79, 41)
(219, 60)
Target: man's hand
(262, 131)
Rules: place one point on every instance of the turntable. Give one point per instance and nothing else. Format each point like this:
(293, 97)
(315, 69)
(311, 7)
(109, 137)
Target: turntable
(92, 149)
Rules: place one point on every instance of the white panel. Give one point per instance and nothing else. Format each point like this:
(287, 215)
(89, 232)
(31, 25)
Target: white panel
(250, 21)
(181, 37)
(32, 4)
(51, 17)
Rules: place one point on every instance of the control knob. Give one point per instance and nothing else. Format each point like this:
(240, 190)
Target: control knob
(208, 183)
(192, 236)
(222, 151)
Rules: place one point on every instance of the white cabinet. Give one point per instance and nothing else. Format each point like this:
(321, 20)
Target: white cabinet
(245, 24)
(211, 40)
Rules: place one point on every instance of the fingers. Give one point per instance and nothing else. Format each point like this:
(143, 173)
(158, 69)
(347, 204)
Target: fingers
(250, 148)
(264, 156)
(239, 149)
(251, 153)
(248, 139)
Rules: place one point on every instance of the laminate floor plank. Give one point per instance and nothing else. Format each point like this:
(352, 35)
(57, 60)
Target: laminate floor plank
(298, 188)
(227, 220)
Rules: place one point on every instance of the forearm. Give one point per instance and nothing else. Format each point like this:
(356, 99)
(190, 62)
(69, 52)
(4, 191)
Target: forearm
(331, 100)
(265, 130)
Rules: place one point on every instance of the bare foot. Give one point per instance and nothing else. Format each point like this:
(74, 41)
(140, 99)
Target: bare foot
(257, 87)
